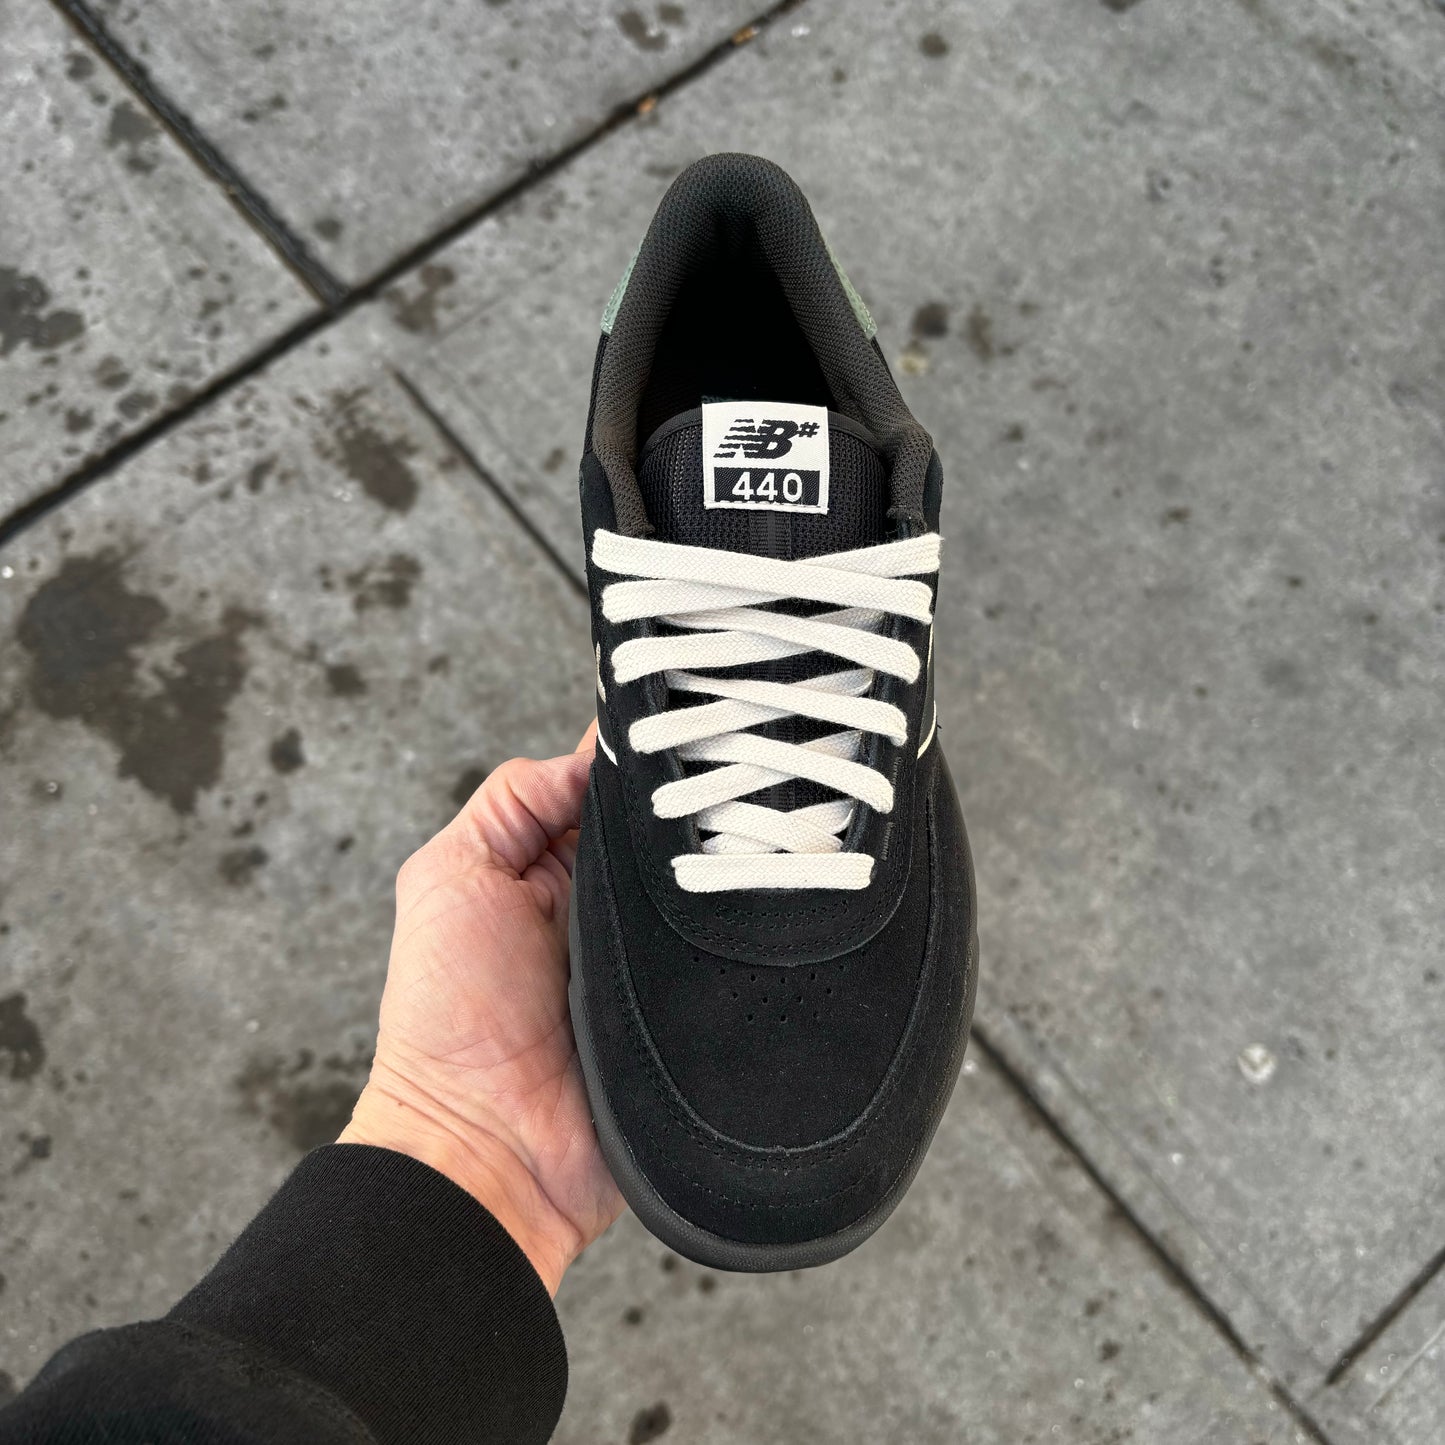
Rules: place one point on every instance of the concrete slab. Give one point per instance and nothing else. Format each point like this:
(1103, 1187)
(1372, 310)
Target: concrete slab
(127, 280)
(1398, 1383)
(369, 126)
(239, 682)
(1172, 309)
(1410, 32)
(1005, 1302)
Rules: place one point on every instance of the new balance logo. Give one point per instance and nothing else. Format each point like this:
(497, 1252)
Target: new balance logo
(765, 440)
(765, 456)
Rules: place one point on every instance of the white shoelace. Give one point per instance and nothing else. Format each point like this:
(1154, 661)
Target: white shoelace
(721, 600)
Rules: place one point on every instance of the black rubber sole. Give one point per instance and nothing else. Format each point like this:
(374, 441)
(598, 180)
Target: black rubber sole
(701, 1245)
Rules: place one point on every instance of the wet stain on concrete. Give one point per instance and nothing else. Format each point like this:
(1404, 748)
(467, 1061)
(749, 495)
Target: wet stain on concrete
(133, 131)
(344, 680)
(418, 313)
(78, 65)
(83, 629)
(467, 784)
(286, 753)
(933, 45)
(306, 1103)
(254, 114)
(329, 228)
(384, 584)
(256, 477)
(1118, 6)
(77, 421)
(22, 1050)
(110, 373)
(978, 332)
(931, 320)
(238, 865)
(135, 404)
(636, 28)
(650, 1424)
(378, 463)
(26, 315)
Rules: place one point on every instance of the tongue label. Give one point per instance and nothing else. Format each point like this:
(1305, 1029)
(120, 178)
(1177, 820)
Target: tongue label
(769, 456)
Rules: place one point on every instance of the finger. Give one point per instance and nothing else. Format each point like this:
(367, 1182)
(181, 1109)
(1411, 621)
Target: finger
(589, 738)
(524, 804)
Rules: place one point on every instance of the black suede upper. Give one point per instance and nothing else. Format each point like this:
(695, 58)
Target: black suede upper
(751, 1147)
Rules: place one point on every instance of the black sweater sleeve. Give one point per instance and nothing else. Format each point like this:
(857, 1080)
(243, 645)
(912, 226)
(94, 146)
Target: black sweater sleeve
(371, 1302)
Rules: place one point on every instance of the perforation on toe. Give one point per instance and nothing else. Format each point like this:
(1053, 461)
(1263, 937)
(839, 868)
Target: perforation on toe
(773, 1055)
(802, 995)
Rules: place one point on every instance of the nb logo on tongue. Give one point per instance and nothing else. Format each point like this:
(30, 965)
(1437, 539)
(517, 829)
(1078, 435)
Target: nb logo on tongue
(784, 450)
(767, 439)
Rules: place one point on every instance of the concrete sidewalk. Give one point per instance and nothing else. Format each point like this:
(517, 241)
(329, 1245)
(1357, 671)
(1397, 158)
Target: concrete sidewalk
(296, 323)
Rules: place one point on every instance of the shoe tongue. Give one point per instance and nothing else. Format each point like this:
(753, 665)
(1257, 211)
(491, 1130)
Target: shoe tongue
(670, 476)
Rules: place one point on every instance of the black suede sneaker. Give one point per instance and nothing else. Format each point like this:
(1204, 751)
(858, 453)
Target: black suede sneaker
(773, 937)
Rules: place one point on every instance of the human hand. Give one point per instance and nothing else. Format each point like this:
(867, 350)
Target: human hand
(476, 1072)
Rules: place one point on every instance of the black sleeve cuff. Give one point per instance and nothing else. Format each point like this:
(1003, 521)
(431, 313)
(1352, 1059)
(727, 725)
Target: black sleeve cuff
(378, 1278)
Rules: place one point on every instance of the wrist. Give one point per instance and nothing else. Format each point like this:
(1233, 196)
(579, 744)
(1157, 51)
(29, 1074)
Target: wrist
(392, 1115)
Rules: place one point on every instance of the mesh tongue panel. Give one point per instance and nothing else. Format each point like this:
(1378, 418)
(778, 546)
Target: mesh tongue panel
(669, 476)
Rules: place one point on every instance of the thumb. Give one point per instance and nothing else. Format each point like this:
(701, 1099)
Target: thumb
(523, 806)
